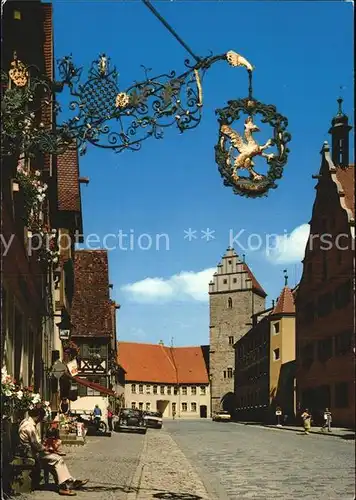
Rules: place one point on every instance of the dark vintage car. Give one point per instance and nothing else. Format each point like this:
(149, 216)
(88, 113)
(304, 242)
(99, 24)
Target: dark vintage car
(153, 419)
(131, 420)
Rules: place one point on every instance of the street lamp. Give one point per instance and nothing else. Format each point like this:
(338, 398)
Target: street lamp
(64, 327)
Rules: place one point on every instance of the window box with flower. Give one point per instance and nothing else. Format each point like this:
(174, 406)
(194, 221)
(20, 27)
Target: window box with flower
(17, 400)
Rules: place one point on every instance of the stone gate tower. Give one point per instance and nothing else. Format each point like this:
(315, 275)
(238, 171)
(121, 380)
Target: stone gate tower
(234, 295)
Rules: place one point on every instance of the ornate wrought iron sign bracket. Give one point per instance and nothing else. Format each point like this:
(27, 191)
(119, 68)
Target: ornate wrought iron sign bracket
(108, 117)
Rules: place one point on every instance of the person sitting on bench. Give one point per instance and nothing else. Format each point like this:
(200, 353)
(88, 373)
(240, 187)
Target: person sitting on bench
(30, 441)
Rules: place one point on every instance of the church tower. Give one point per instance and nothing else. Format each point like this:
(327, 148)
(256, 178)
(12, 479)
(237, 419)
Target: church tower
(234, 295)
(340, 130)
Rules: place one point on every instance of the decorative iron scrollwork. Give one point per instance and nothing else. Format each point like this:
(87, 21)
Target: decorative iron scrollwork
(247, 148)
(109, 117)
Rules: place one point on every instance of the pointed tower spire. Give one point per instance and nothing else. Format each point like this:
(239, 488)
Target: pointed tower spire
(340, 130)
(285, 277)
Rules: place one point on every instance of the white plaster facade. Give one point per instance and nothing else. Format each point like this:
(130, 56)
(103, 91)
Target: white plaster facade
(187, 400)
(87, 403)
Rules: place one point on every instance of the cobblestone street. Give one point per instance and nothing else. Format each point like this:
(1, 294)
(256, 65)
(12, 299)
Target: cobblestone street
(236, 461)
(203, 460)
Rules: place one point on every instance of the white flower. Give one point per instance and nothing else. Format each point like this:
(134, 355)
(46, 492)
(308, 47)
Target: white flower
(47, 403)
(3, 375)
(44, 187)
(36, 398)
(19, 394)
(30, 407)
(37, 173)
(8, 392)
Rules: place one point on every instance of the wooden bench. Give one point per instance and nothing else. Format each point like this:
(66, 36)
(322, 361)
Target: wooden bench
(22, 475)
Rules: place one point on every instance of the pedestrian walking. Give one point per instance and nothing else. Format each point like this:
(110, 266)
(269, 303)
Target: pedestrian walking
(97, 416)
(327, 420)
(306, 416)
(110, 417)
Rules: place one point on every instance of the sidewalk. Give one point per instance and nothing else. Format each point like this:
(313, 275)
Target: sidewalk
(108, 463)
(164, 472)
(339, 432)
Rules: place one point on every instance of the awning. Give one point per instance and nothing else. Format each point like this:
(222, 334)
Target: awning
(93, 385)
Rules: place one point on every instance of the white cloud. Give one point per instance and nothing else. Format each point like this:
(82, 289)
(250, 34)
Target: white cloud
(288, 248)
(187, 285)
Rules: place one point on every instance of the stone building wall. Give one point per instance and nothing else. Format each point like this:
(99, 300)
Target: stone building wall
(234, 296)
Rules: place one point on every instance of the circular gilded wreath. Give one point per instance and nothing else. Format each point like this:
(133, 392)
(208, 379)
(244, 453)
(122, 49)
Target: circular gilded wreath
(234, 151)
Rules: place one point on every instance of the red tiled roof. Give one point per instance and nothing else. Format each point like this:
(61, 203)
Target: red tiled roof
(255, 283)
(68, 181)
(285, 303)
(346, 177)
(91, 307)
(161, 364)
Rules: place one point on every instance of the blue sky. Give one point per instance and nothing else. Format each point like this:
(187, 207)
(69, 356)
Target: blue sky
(302, 52)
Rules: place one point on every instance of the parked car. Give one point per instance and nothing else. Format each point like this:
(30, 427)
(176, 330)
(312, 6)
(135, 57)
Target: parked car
(153, 419)
(131, 420)
(222, 416)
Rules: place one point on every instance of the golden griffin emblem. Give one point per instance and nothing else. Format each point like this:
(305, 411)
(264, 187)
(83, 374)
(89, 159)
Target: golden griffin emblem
(247, 148)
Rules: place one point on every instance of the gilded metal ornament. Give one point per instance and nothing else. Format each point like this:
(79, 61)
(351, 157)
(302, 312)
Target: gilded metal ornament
(102, 114)
(18, 73)
(235, 152)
